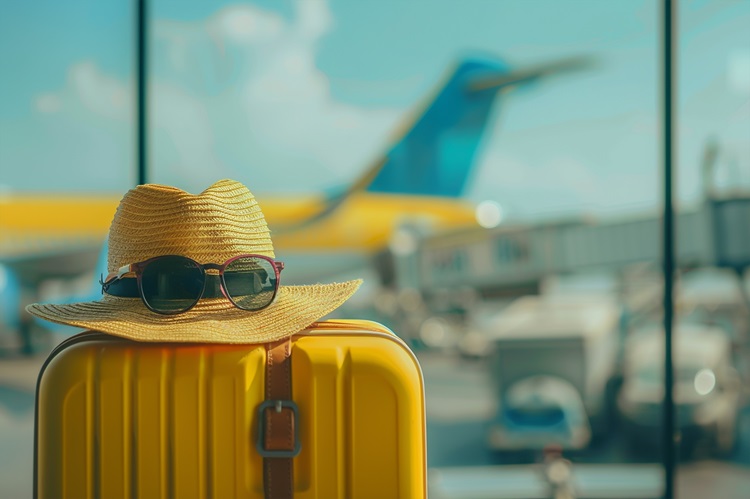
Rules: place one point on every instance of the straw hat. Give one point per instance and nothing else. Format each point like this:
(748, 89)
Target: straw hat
(222, 222)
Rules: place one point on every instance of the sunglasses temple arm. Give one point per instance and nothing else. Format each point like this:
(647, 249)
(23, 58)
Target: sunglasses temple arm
(117, 275)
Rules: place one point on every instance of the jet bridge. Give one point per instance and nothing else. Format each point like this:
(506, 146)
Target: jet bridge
(520, 256)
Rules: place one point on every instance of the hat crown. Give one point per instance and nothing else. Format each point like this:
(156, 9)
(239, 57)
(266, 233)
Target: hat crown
(221, 222)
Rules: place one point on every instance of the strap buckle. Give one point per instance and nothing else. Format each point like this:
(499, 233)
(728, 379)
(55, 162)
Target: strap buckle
(277, 406)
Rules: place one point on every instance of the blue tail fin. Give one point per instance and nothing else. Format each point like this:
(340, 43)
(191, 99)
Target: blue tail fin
(435, 156)
(437, 153)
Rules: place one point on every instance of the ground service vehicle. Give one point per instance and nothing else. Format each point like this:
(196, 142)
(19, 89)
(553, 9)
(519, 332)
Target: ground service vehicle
(706, 390)
(554, 365)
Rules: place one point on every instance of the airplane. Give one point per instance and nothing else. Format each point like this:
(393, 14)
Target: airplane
(419, 179)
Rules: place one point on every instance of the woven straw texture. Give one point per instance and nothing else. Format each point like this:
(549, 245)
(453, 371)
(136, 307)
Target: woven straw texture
(212, 227)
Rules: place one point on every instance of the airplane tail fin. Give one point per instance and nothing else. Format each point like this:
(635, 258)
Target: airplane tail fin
(435, 154)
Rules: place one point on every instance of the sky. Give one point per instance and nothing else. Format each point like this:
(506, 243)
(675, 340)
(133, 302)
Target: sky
(301, 96)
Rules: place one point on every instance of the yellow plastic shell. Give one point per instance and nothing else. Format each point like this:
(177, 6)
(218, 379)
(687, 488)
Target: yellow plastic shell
(116, 418)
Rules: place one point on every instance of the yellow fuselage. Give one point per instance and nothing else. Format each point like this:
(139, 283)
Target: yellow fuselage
(364, 222)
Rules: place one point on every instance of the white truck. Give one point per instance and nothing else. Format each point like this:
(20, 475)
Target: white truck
(554, 365)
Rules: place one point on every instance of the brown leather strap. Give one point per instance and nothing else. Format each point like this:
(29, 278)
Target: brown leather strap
(279, 435)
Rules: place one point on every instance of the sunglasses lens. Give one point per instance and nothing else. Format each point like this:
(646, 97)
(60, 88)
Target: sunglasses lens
(250, 282)
(172, 284)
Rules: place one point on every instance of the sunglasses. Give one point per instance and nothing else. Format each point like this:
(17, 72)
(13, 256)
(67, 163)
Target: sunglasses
(173, 284)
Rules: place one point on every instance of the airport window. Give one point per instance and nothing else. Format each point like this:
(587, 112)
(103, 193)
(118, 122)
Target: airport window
(520, 130)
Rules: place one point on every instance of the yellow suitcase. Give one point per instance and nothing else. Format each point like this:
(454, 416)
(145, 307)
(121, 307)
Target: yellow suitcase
(117, 418)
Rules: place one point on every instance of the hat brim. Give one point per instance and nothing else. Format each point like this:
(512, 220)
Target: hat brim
(210, 321)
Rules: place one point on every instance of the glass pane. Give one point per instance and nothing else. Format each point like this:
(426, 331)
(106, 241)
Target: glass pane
(66, 157)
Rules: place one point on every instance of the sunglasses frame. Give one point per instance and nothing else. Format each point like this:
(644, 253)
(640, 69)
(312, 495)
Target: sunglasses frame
(138, 268)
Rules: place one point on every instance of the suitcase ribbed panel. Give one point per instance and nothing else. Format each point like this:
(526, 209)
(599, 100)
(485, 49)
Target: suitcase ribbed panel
(123, 419)
(365, 447)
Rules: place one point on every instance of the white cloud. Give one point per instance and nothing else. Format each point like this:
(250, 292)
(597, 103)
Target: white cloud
(99, 92)
(246, 24)
(47, 103)
(91, 89)
(314, 18)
